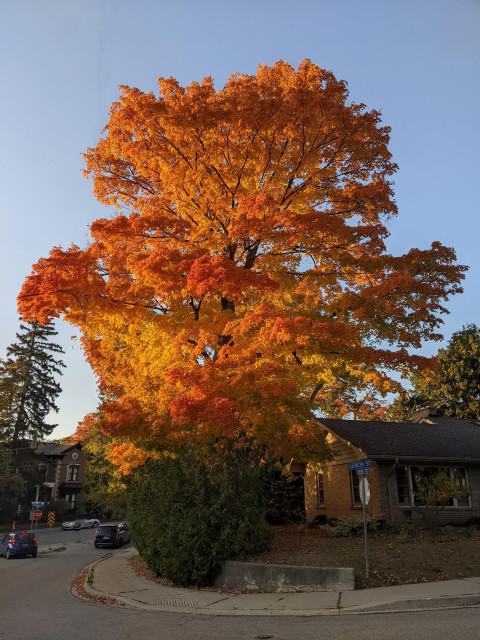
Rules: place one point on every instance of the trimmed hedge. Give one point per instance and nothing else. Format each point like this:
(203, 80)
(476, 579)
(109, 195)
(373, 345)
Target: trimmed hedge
(189, 513)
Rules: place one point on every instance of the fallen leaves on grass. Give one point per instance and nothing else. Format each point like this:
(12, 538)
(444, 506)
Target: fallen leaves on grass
(420, 556)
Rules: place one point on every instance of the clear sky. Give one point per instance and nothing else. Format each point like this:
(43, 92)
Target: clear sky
(417, 61)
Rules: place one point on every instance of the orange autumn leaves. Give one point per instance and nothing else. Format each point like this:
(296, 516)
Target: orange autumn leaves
(244, 262)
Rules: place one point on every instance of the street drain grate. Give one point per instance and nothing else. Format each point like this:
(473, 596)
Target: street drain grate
(184, 604)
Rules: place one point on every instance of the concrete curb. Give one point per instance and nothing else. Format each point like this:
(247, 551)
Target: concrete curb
(175, 601)
(92, 594)
(44, 548)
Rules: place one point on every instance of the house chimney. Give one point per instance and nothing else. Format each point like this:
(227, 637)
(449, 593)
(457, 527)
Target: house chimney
(423, 413)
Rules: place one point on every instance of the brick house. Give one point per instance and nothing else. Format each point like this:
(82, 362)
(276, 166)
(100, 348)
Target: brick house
(64, 471)
(399, 451)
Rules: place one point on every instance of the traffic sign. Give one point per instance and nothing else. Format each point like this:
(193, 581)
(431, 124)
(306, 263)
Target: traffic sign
(38, 505)
(359, 464)
(362, 472)
(364, 490)
(51, 518)
(37, 514)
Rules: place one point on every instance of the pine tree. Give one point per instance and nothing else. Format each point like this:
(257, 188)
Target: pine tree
(28, 388)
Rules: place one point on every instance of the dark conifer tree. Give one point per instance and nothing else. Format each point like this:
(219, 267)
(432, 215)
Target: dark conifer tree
(28, 386)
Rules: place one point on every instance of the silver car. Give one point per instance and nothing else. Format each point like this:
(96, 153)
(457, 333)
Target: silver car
(84, 523)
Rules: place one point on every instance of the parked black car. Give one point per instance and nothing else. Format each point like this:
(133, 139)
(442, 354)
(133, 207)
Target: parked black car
(112, 534)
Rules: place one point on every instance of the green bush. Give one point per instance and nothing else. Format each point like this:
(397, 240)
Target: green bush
(61, 507)
(189, 513)
(287, 497)
(349, 526)
(81, 505)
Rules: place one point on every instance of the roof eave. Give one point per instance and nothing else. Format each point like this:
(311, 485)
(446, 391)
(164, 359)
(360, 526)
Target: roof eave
(445, 459)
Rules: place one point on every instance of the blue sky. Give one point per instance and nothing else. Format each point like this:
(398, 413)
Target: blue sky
(417, 61)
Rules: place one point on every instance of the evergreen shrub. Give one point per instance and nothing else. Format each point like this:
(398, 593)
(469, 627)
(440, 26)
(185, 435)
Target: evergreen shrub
(60, 507)
(190, 512)
(349, 526)
(287, 498)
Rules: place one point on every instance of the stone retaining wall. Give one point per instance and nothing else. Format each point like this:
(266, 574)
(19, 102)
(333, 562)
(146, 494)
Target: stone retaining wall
(284, 578)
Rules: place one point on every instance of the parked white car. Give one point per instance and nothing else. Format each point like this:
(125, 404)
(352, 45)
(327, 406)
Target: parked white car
(84, 523)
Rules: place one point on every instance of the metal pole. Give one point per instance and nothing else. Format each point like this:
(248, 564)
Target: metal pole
(37, 487)
(364, 499)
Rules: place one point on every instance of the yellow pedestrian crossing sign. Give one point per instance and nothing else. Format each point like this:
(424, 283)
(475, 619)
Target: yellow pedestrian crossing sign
(51, 518)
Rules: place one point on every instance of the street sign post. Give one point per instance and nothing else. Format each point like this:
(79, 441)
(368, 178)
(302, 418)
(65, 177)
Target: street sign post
(365, 497)
(361, 468)
(36, 515)
(364, 490)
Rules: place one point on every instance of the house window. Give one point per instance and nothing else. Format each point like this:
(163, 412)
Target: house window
(407, 483)
(71, 498)
(459, 475)
(320, 490)
(72, 475)
(403, 486)
(355, 489)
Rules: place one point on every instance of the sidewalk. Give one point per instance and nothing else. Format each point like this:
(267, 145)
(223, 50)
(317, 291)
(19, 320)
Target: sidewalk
(113, 577)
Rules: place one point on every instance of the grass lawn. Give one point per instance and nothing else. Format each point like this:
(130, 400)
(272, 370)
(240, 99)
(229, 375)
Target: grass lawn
(395, 557)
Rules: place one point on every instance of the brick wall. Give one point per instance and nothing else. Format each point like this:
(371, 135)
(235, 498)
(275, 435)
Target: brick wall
(70, 459)
(337, 485)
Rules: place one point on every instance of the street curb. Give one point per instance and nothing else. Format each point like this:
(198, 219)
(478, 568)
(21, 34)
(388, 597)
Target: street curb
(99, 597)
(50, 548)
(91, 594)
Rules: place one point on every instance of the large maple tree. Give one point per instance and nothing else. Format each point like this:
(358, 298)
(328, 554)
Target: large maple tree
(244, 262)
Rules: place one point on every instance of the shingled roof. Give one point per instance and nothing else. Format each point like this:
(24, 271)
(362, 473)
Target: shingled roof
(446, 439)
(55, 449)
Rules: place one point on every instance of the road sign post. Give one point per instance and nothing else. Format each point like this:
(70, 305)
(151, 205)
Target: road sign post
(365, 497)
(35, 515)
(36, 508)
(361, 469)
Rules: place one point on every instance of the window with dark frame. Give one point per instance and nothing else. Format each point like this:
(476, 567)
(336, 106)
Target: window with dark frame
(320, 489)
(403, 486)
(71, 498)
(355, 489)
(72, 475)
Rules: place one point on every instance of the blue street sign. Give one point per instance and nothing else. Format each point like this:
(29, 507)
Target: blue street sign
(362, 472)
(359, 464)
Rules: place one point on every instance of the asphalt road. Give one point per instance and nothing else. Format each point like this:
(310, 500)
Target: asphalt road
(36, 603)
(57, 535)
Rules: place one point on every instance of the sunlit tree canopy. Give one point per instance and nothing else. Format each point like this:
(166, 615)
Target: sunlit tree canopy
(243, 262)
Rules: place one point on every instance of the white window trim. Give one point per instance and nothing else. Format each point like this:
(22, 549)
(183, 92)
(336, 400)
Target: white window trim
(455, 504)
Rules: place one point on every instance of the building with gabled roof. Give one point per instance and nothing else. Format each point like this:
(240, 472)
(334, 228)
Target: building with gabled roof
(399, 452)
(64, 471)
